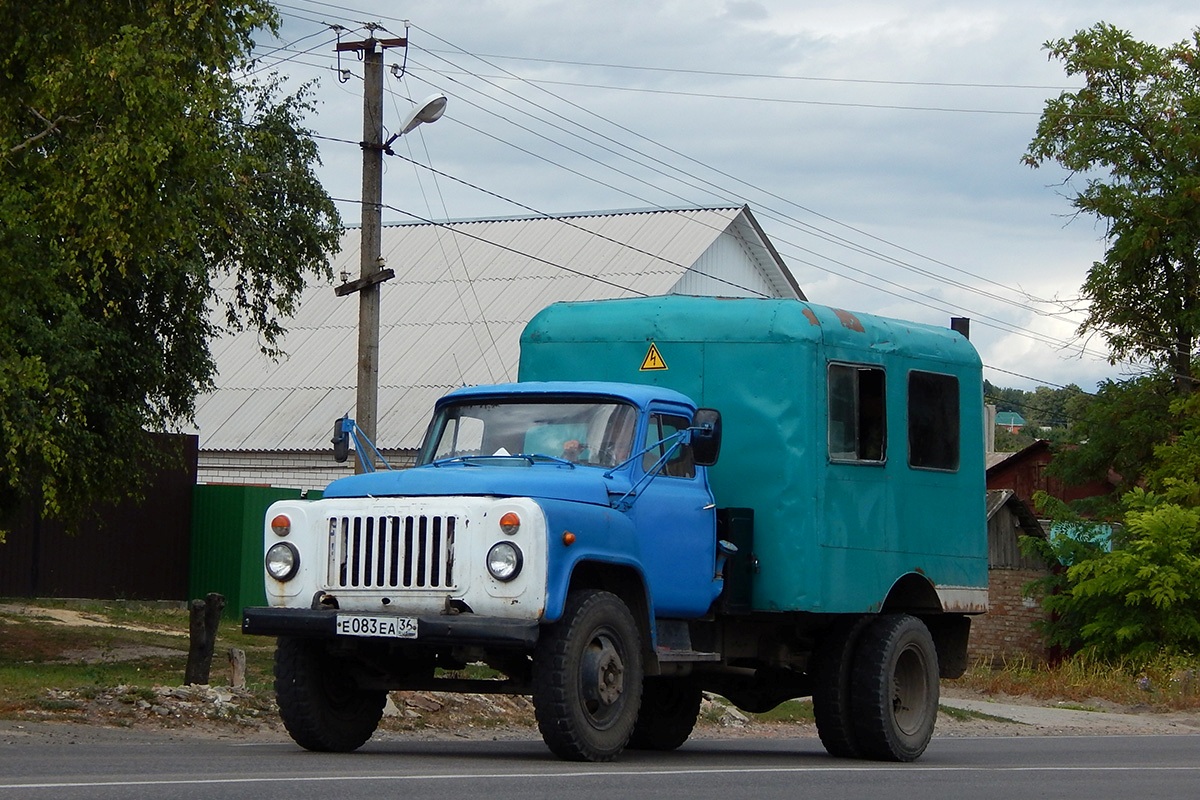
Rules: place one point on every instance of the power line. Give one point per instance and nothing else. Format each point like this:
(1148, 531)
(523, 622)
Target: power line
(566, 221)
(998, 324)
(731, 177)
(854, 246)
(295, 54)
(1027, 377)
(458, 231)
(1023, 305)
(770, 76)
(840, 241)
(783, 100)
(462, 262)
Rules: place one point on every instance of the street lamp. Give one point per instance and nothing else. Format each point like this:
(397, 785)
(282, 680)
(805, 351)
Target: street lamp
(430, 110)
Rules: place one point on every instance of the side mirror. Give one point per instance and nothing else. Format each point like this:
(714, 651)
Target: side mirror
(706, 436)
(341, 441)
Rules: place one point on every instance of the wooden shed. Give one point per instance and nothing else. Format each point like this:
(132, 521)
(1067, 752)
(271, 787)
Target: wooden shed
(1007, 631)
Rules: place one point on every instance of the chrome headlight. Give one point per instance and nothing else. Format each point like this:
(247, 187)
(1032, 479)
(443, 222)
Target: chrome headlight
(283, 561)
(504, 561)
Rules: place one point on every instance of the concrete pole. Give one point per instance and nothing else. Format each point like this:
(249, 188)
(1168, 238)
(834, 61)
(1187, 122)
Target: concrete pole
(367, 405)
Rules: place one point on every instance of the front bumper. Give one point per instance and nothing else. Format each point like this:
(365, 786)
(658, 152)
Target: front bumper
(460, 629)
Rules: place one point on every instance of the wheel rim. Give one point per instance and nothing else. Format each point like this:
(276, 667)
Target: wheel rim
(910, 692)
(602, 679)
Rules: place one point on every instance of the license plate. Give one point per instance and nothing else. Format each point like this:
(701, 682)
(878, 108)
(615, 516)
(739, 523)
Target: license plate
(395, 627)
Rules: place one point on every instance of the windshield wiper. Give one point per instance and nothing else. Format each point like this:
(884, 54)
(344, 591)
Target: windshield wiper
(556, 459)
(530, 458)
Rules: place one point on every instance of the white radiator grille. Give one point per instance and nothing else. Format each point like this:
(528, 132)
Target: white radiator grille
(392, 552)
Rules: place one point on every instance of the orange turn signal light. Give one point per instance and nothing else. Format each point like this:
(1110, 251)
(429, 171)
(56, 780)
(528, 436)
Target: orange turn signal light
(281, 525)
(510, 523)
(568, 538)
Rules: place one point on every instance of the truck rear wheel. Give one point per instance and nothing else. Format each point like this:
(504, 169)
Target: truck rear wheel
(668, 714)
(831, 669)
(894, 691)
(587, 678)
(322, 707)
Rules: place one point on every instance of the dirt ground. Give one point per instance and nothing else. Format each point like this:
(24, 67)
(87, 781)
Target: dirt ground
(220, 711)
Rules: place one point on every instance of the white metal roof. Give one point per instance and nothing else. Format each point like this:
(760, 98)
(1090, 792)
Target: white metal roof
(453, 314)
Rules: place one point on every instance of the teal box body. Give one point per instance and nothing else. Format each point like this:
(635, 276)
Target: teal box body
(856, 440)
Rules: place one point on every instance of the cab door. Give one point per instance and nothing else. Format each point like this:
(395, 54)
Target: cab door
(676, 521)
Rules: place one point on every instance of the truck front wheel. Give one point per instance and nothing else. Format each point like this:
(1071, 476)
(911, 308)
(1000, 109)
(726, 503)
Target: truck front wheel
(322, 707)
(587, 678)
(894, 692)
(668, 714)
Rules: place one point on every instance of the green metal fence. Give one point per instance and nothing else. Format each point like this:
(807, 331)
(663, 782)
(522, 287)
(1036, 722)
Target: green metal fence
(227, 542)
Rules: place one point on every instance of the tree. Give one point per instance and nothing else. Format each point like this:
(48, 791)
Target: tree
(1176, 470)
(1137, 593)
(1133, 133)
(137, 168)
(1007, 441)
(1049, 408)
(1119, 429)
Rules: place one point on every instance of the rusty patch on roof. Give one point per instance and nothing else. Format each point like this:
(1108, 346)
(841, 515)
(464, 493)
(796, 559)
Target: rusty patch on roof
(848, 320)
(808, 312)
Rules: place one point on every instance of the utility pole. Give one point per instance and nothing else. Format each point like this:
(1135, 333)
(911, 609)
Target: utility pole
(371, 264)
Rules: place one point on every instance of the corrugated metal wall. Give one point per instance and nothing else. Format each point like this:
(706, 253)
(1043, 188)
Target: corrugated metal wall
(227, 542)
(136, 552)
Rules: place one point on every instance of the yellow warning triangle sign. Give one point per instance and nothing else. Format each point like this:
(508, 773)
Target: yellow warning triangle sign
(653, 360)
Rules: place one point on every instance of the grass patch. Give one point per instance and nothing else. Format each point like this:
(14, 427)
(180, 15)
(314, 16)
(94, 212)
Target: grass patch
(967, 715)
(1166, 682)
(471, 672)
(799, 711)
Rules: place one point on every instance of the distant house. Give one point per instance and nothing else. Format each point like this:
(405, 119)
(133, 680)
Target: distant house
(1011, 421)
(1024, 472)
(452, 316)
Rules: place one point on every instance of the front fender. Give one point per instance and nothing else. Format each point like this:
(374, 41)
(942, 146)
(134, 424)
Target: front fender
(602, 535)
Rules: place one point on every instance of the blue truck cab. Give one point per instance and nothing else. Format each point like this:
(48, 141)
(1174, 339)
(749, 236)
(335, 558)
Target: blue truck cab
(765, 499)
(517, 487)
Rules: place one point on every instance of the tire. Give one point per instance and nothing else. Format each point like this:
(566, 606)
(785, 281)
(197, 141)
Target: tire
(322, 707)
(831, 672)
(587, 678)
(894, 692)
(667, 715)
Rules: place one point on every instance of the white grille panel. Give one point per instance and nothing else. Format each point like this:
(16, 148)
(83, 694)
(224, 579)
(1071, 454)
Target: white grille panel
(392, 552)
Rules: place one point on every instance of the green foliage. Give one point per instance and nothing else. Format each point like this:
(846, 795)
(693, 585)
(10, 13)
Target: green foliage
(1048, 413)
(1142, 597)
(138, 168)
(1176, 473)
(1009, 442)
(1120, 426)
(1071, 540)
(1130, 133)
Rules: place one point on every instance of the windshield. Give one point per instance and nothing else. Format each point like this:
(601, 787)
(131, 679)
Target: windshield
(590, 432)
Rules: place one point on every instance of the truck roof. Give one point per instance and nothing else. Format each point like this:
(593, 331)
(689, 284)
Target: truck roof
(740, 320)
(638, 394)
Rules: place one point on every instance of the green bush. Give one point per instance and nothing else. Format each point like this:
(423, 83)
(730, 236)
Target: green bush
(1138, 600)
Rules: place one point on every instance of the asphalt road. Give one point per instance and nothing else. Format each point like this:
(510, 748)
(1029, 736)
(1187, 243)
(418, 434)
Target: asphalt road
(132, 767)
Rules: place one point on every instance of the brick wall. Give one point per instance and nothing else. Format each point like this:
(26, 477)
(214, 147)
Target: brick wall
(1007, 631)
(294, 470)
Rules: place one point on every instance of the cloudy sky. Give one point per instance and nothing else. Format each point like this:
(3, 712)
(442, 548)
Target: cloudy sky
(878, 143)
